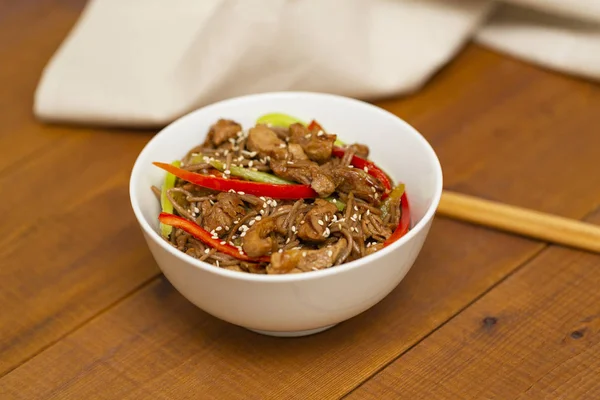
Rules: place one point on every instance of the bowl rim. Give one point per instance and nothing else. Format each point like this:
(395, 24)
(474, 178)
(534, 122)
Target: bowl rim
(309, 275)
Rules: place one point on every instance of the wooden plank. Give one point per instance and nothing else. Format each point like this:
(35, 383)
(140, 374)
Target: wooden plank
(58, 273)
(537, 335)
(70, 245)
(156, 342)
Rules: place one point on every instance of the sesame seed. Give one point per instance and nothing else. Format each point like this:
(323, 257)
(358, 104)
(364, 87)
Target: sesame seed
(250, 163)
(290, 162)
(308, 135)
(330, 253)
(196, 210)
(218, 228)
(373, 189)
(368, 212)
(262, 212)
(369, 244)
(303, 254)
(258, 218)
(320, 133)
(262, 198)
(251, 223)
(366, 169)
(320, 222)
(206, 251)
(226, 227)
(231, 191)
(242, 193)
(355, 208)
(327, 232)
(293, 228)
(243, 234)
(274, 203)
(265, 205)
(234, 236)
(280, 251)
(227, 172)
(360, 217)
(326, 218)
(287, 240)
(231, 140)
(226, 152)
(236, 221)
(354, 216)
(282, 145)
(223, 242)
(218, 263)
(334, 200)
(215, 237)
(315, 268)
(302, 222)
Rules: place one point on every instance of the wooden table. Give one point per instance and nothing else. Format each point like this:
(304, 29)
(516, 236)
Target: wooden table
(482, 314)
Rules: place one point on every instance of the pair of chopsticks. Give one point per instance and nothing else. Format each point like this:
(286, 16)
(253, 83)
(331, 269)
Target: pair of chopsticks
(537, 225)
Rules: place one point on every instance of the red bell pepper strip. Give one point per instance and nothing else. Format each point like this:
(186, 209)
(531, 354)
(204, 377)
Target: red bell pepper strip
(371, 169)
(275, 191)
(205, 237)
(404, 224)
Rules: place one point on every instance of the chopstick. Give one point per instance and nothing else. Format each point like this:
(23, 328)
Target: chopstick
(521, 221)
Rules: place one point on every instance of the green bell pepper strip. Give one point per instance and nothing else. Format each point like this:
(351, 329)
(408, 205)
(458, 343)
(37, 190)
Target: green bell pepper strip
(165, 204)
(248, 174)
(279, 119)
(395, 194)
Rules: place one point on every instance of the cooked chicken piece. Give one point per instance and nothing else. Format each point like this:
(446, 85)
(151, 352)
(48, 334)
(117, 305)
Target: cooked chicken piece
(264, 141)
(226, 209)
(296, 153)
(306, 172)
(258, 240)
(316, 145)
(305, 260)
(316, 220)
(360, 150)
(355, 180)
(222, 131)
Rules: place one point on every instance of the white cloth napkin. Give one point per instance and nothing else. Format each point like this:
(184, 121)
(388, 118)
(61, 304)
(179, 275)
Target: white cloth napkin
(147, 62)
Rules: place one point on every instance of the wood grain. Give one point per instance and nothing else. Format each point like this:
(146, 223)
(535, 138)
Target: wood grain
(157, 342)
(535, 336)
(71, 246)
(71, 249)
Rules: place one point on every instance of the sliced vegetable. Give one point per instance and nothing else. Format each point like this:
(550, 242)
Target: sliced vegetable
(255, 188)
(165, 203)
(395, 194)
(205, 237)
(279, 119)
(337, 202)
(404, 224)
(366, 165)
(248, 174)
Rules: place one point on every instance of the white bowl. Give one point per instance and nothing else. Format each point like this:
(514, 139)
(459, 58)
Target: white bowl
(295, 304)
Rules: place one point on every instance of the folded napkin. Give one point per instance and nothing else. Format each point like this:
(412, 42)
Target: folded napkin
(147, 62)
